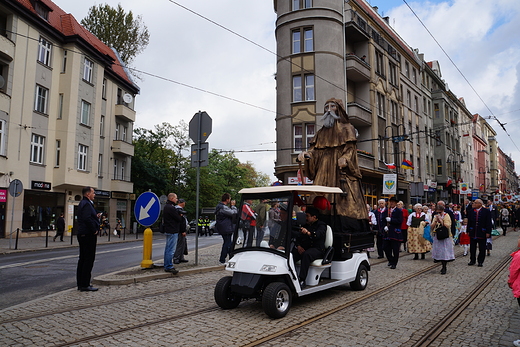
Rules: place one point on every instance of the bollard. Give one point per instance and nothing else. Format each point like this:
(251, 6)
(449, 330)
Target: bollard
(147, 262)
(47, 238)
(17, 233)
(71, 230)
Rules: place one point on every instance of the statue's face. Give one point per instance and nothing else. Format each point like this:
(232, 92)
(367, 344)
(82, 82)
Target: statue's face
(331, 106)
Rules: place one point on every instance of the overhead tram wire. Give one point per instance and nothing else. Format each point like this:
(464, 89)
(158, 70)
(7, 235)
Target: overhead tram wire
(502, 125)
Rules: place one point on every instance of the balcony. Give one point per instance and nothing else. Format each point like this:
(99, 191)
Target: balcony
(6, 48)
(5, 102)
(122, 147)
(125, 112)
(122, 186)
(358, 115)
(365, 161)
(357, 69)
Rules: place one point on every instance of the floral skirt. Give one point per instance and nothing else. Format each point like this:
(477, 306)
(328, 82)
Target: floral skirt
(416, 242)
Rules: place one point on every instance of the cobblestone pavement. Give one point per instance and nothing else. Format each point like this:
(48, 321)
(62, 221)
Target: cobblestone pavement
(180, 310)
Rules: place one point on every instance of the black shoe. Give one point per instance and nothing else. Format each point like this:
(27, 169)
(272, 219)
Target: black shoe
(380, 257)
(416, 257)
(443, 271)
(471, 263)
(176, 262)
(172, 270)
(423, 256)
(389, 264)
(87, 289)
(392, 267)
(183, 261)
(480, 265)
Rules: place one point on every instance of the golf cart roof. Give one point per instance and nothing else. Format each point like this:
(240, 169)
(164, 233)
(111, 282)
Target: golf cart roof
(300, 189)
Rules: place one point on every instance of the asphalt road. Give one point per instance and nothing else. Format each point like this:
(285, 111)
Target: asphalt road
(30, 275)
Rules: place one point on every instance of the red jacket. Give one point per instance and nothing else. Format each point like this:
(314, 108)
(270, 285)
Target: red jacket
(404, 226)
(514, 274)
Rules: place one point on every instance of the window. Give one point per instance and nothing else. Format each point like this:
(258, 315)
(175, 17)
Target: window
(100, 166)
(40, 104)
(379, 64)
(408, 99)
(37, 143)
(437, 137)
(60, 106)
(381, 105)
(297, 88)
(299, 4)
(308, 40)
(414, 76)
(299, 131)
(115, 169)
(381, 149)
(123, 163)
(394, 112)
(85, 112)
(439, 167)
(44, 51)
(58, 152)
(407, 69)
(41, 10)
(102, 126)
(4, 73)
(3, 136)
(416, 104)
(123, 137)
(87, 70)
(82, 157)
(64, 63)
(393, 73)
(118, 131)
(104, 90)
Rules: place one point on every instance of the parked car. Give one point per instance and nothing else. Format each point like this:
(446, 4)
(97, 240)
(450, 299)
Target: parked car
(212, 228)
(193, 226)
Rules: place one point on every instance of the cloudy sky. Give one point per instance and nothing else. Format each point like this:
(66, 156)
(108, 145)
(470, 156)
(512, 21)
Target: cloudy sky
(206, 67)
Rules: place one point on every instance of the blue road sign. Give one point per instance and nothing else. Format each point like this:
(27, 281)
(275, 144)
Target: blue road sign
(147, 209)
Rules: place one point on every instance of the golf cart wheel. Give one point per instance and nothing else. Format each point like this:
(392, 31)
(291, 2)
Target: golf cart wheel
(224, 297)
(277, 299)
(360, 283)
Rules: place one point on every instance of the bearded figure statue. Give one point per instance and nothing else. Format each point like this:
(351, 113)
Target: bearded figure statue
(332, 161)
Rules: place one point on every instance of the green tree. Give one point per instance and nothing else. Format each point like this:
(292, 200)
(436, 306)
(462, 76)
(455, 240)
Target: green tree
(118, 29)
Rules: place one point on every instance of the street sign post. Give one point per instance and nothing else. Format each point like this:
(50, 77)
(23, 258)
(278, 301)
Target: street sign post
(199, 131)
(15, 190)
(146, 212)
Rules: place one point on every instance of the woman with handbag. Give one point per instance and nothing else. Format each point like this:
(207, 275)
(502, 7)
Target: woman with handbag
(442, 248)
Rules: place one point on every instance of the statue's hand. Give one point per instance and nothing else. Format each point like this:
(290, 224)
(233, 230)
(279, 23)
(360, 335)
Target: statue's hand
(342, 162)
(302, 156)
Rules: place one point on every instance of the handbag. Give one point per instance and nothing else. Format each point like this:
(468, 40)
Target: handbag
(442, 233)
(426, 234)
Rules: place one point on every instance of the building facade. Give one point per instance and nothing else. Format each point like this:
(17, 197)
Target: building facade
(399, 103)
(66, 118)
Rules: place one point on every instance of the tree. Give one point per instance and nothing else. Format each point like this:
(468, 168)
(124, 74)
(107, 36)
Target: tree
(118, 29)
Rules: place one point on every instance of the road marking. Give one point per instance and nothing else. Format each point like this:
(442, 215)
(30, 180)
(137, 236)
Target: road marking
(66, 257)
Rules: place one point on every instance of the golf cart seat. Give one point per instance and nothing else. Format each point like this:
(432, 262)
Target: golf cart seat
(317, 266)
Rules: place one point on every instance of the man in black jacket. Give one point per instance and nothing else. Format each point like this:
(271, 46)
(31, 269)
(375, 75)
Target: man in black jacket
(479, 229)
(60, 227)
(172, 220)
(310, 243)
(88, 228)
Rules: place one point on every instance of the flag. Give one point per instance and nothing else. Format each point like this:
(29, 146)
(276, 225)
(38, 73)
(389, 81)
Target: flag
(390, 166)
(449, 183)
(406, 164)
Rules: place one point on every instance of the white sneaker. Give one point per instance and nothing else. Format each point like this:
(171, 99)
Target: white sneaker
(516, 343)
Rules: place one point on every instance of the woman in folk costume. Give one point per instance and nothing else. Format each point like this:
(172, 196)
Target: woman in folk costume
(416, 242)
(514, 278)
(442, 250)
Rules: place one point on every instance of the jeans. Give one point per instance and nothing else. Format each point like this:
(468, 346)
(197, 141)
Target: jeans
(169, 250)
(226, 247)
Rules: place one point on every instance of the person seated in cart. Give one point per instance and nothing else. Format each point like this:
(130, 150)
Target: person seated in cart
(310, 242)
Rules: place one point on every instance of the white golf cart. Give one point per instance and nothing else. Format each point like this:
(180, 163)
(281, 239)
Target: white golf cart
(263, 266)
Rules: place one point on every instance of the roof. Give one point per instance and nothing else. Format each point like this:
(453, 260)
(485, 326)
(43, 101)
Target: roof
(300, 189)
(68, 26)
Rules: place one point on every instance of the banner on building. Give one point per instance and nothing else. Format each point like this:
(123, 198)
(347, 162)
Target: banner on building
(389, 184)
(464, 188)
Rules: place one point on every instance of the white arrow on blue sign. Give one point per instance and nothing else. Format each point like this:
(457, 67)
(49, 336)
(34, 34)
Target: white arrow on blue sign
(147, 209)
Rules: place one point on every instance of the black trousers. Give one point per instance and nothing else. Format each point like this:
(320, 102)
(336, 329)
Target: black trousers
(473, 243)
(307, 258)
(181, 249)
(87, 255)
(391, 248)
(379, 245)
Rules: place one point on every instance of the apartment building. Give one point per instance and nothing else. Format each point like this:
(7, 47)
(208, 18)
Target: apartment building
(399, 103)
(66, 118)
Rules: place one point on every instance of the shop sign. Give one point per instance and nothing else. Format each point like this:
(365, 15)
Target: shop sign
(3, 195)
(123, 196)
(294, 180)
(41, 185)
(102, 193)
(121, 205)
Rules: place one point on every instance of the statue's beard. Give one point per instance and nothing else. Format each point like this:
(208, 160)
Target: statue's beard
(329, 118)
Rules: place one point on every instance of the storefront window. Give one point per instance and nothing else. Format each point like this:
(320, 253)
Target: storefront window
(40, 210)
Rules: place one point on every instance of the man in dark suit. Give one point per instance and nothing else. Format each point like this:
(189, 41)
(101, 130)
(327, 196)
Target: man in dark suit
(393, 237)
(381, 213)
(310, 242)
(88, 228)
(479, 229)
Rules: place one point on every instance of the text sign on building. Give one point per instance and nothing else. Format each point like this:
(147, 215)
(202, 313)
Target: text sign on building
(3, 195)
(147, 209)
(102, 193)
(40, 185)
(389, 184)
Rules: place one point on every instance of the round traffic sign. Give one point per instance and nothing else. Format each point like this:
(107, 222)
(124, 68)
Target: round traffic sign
(15, 188)
(147, 209)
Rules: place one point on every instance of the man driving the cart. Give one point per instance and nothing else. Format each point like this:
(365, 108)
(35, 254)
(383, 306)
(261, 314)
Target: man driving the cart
(310, 242)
